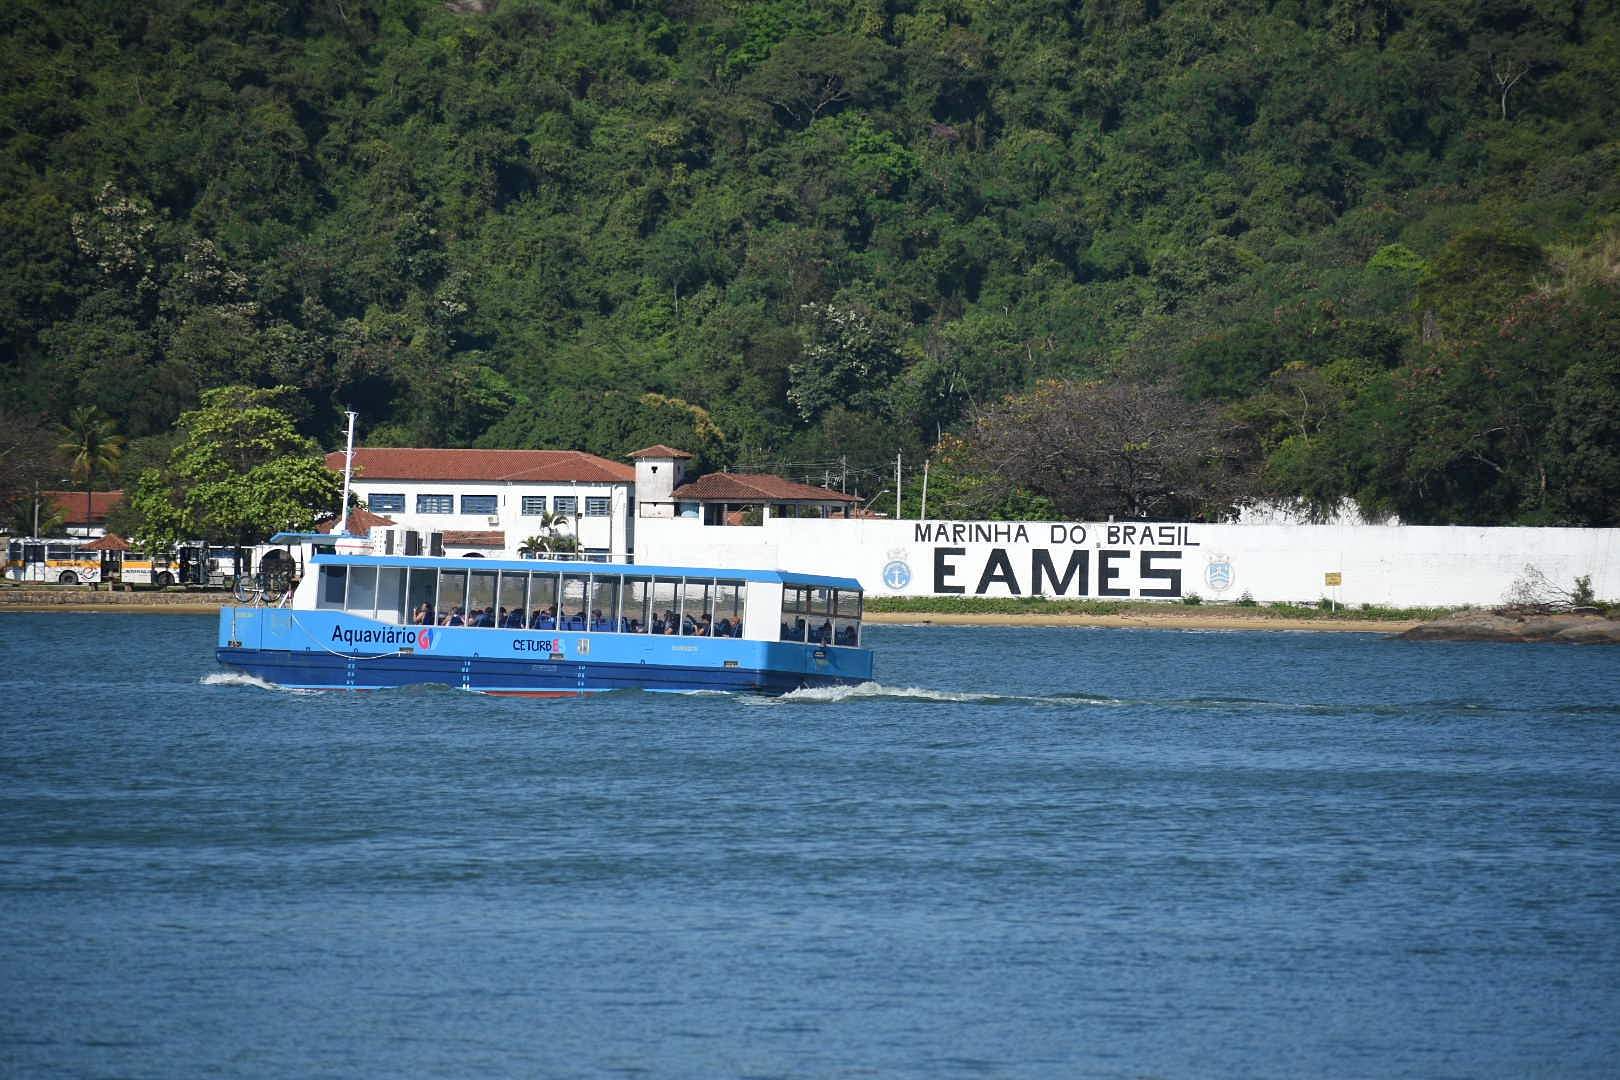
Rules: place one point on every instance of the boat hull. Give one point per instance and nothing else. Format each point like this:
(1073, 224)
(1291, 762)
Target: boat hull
(332, 650)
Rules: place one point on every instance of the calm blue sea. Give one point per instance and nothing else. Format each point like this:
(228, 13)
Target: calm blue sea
(1026, 853)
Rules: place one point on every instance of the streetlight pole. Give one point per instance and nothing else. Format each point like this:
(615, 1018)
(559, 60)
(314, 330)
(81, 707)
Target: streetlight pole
(348, 469)
(897, 457)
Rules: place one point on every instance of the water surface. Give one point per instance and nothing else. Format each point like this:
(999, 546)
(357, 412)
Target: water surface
(1026, 853)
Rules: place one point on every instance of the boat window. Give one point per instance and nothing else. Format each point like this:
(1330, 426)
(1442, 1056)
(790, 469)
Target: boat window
(696, 618)
(821, 601)
(543, 601)
(452, 603)
(633, 616)
(575, 590)
(362, 595)
(334, 582)
(515, 599)
(604, 602)
(481, 599)
(666, 605)
(420, 589)
(846, 624)
(391, 594)
(794, 601)
(728, 608)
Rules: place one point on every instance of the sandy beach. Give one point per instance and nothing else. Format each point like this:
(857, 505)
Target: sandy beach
(1181, 618)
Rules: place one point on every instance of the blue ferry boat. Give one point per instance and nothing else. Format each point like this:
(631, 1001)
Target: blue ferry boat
(548, 629)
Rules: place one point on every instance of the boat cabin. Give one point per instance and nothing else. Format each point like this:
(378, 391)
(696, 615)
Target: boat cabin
(757, 605)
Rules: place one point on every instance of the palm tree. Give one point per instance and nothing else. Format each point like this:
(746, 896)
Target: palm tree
(90, 439)
(552, 540)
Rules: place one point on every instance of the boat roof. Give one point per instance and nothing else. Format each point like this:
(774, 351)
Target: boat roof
(584, 567)
(312, 537)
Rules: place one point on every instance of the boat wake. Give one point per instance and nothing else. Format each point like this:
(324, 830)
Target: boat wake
(873, 690)
(238, 678)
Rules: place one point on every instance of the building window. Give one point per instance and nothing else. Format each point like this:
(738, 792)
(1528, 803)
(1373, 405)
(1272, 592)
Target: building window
(435, 504)
(383, 504)
(534, 505)
(598, 506)
(480, 504)
(566, 504)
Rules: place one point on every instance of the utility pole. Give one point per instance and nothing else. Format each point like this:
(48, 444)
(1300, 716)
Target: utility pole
(897, 456)
(348, 470)
(923, 516)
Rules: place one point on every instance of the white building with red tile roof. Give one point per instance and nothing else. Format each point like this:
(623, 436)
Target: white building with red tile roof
(489, 501)
(775, 496)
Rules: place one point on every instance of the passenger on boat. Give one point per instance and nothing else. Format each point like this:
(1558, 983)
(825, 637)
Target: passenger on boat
(455, 618)
(422, 616)
(705, 626)
(485, 617)
(672, 623)
(576, 621)
(723, 628)
(599, 622)
(824, 635)
(514, 619)
(545, 620)
(845, 636)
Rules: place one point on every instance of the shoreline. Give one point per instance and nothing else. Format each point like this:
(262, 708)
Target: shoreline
(1177, 618)
(1190, 619)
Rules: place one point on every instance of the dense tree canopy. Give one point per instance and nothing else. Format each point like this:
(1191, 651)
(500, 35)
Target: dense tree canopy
(1374, 243)
(239, 474)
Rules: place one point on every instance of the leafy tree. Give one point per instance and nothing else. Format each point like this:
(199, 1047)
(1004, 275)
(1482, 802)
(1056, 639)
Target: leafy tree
(807, 76)
(1476, 275)
(92, 445)
(28, 463)
(240, 473)
(1109, 450)
(851, 355)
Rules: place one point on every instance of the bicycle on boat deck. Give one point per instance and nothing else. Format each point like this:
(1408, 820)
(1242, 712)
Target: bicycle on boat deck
(266, 586)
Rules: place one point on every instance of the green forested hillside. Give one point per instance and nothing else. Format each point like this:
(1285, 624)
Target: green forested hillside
(1359, 248)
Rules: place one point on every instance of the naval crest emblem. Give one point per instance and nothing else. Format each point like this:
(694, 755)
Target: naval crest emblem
(897, 571)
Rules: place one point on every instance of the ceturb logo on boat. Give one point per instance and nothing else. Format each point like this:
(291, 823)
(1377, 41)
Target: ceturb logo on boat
(389, 635)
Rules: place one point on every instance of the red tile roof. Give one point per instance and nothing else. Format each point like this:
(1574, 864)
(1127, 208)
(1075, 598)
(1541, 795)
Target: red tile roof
(535, 466)
(755, 488)
(109, 542)
(70, 504)
(361, 520)
(484, 539)
(660, 450)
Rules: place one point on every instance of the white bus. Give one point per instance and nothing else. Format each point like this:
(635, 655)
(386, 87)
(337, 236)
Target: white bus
(158, 566)
(58, 560)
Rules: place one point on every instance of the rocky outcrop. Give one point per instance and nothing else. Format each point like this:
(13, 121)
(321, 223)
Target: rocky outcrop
(1574, 628)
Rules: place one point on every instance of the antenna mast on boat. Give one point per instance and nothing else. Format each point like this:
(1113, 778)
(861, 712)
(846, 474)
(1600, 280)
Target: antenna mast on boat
(348, 472)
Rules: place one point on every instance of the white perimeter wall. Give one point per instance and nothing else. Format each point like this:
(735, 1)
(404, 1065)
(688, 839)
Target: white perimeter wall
(1398, 566)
